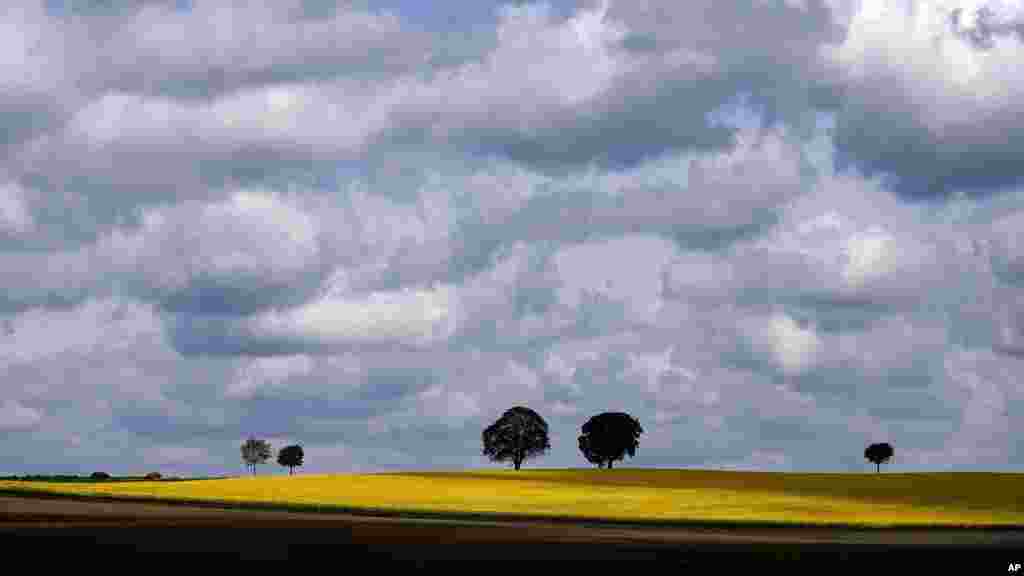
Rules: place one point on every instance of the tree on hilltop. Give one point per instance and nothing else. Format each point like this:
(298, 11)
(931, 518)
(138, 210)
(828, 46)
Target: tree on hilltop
(609, 436)
(878, 453)
(519, 434)
(255, 452)
(290, 456)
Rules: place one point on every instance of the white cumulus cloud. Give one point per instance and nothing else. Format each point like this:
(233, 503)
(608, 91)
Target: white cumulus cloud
(414, 316)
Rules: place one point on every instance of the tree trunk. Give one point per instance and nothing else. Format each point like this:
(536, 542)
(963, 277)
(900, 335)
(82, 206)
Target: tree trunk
(290, 470)
(609, 464)
(517, 462)
(878, 467)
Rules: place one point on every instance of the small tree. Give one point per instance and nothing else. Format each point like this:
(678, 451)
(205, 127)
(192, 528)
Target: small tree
(255, 452)
(878, 453)
(609, 436)
(290, 456)
(519, 434)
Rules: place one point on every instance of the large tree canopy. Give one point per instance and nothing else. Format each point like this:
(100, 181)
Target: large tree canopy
(609, 436)
(255, 452)
(290, 456)
(519, 434)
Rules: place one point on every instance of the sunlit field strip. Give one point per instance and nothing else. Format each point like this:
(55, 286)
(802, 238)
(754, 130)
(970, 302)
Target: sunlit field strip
(936, 499)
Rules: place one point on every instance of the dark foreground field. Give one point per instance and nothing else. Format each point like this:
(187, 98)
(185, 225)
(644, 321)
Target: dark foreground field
(91, 532)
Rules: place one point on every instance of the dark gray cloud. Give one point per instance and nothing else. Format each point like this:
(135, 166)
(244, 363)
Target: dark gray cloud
(918, 164)
(619, 138)
(940, 122)
(634, 104)
(26, 115)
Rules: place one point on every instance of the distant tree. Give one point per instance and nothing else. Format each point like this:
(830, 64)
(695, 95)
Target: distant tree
(154, 476)
(100, 476)
(255, 452)
(519, 434)
(878, 453)
(290, 456)
(609, 436)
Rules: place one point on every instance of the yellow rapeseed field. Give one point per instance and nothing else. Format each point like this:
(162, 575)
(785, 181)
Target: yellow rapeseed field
(888, 499)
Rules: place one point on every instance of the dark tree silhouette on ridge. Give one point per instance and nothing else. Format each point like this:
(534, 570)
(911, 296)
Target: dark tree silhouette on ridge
(878, 453)
(609, 436)
(290, 456)
(255, 452)
(519, 434)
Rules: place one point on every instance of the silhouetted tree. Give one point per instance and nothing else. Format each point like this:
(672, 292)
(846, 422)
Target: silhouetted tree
(255, 452)
(100, 476)
(878, 453)
(609, 436)
(519, 434)
(290, 456)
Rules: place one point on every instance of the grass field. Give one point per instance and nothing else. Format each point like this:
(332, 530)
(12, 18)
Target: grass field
(961, 499)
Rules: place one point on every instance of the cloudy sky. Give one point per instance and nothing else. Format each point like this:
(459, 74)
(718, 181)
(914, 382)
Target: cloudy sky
(773, 231)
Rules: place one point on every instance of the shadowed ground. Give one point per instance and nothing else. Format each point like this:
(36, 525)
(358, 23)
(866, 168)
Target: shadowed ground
(90, 529)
